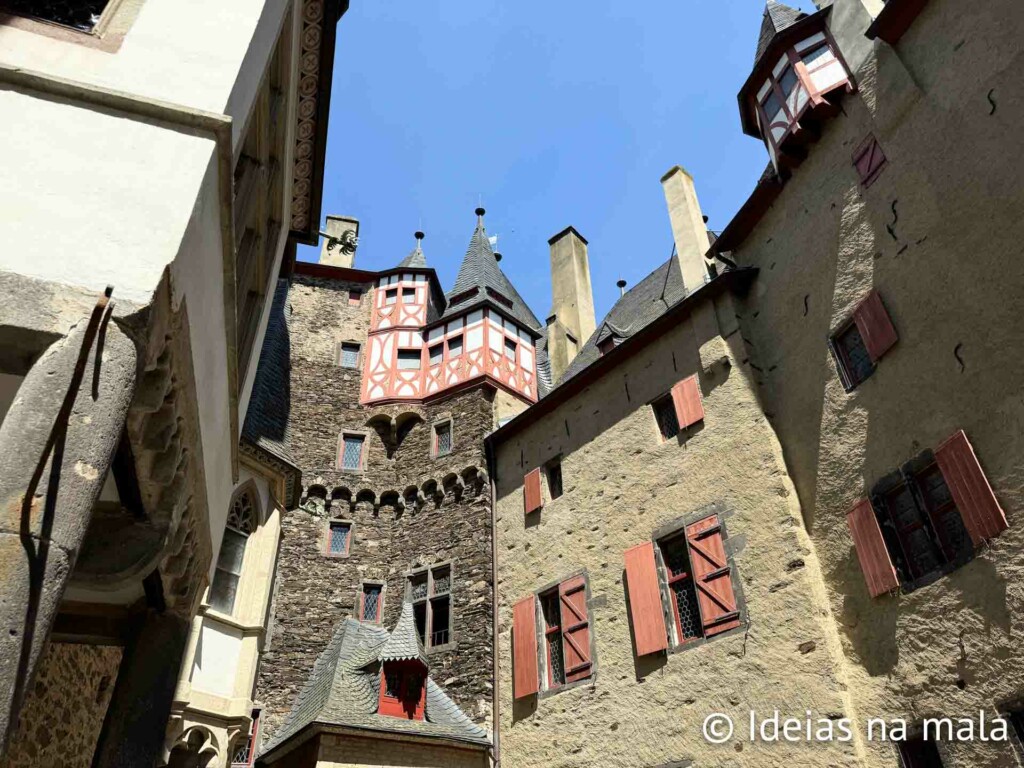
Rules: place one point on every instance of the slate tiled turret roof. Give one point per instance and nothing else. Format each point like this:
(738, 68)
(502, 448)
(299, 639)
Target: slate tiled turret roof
(777, 17)
(344, 690)
(415, 259)
(404, 643)
(480, 270)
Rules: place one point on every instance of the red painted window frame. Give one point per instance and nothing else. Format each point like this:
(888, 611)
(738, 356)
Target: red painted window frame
(685, 577)
(355, 297)
(348, 539)
(462, 344)
(552, 632)
(436, 438)
(380, 601)
(254, 732)
(341, 452)
(403, 706)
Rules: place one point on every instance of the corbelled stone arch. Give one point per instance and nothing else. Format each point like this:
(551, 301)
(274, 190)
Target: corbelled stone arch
(365, 497)
(453, 486)
(473, 479)
(342, 500)
(413, 498)
(431, 490)
(394, 500)
(314, 500)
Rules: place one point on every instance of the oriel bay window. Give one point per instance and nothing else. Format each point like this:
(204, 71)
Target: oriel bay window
(430, 594)
(243, 516)
(686, 576)
(551, 642)
(925, 519)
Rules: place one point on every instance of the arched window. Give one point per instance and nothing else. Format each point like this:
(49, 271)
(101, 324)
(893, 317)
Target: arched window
(243, 516)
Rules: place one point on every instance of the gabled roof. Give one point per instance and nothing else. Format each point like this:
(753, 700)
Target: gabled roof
(480, 272)
(344, 690)
(404, 643)
(777, 17)
(636, 308)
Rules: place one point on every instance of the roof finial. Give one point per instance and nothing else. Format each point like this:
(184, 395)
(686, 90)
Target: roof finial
(622, 287)
(480, 216)
(419, 236)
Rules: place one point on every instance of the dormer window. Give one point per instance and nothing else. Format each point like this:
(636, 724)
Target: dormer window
(403, 690)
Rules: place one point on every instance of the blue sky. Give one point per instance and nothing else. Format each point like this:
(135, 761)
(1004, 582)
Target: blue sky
(551, 113)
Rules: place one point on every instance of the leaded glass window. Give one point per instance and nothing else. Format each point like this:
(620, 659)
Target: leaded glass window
(665, 413)
(443, 439)
(352, 451)
(338, 538)
(430, 594)
(853, 355)
(349, 355)
(681, 586)
(371, 602)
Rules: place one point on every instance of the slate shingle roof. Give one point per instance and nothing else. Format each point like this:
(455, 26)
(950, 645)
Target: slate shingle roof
(344, 688)
(267, 422)
(415, 259)
(480, 270)
(404, 642)
(636, 308)
(777, 17)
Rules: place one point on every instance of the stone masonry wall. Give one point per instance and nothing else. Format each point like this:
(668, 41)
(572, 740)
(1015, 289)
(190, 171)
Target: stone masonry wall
(939, 235)
(407, 510)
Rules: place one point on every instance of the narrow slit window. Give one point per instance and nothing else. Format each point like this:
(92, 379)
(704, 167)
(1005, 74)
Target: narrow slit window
(682, 591)
(370, 603)
(555, 478)
(228, 572)
(553, 638)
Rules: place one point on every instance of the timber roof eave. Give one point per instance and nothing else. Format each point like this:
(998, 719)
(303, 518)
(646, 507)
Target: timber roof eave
(734, 279)
(315, 269)
(784, 39)
(490, 303)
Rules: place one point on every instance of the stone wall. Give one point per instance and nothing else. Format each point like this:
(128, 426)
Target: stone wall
(407, 509)
(938, 234)
(63, 713)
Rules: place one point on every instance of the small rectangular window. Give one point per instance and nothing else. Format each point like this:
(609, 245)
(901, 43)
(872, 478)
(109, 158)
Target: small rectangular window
(819, 57)
(338, 537)
(352, 451)
(354, 297)
(436, 354)
(430, 594)
(681, 587)
(408, 295)
(852, 356)
(349, 355)
(606, 345)
(510, 349)
(788, 82)
(369, 603)
(408, 359)
(665, 414)
(455, 346)
(771, 105)
(443, 439)
(555, 478)
(391, 296)
(918, 753)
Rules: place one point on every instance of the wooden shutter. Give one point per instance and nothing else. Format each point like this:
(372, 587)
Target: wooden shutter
(645, 609)
(526, 680)
(572, 600)
(875, 326)
(872, 553)
(686, 398)
(531, 491)
(712, 576)
(983, 517)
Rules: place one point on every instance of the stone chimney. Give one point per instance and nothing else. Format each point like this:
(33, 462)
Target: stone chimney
(571, 320)
(688, 228)
(340, 240)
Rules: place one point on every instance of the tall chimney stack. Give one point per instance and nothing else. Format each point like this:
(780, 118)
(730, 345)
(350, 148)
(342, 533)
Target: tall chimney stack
(340, 240)
(688, 228)
(571, 320)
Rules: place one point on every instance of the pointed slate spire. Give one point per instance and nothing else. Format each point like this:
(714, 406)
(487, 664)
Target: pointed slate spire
(480, 270)
(415, 259)
(777, 17)
(404, 643)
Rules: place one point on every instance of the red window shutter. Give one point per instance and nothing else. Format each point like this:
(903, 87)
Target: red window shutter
(572, 598)
(875, 326)
(712, 577)
(531, 491)
(875, 562)
(686, 398)
(983, 517)
(645, 607)
(526, 680)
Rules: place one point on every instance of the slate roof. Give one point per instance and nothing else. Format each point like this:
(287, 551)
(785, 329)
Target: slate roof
(777, 17)
(404, 643)
(480, 270)
(636, 308)
(415, 259)
(344, 688)
(267, 424)
(544, 383)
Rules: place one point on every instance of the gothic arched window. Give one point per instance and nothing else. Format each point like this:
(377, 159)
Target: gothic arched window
(243, 516)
